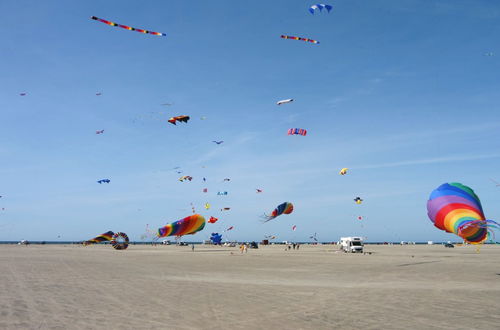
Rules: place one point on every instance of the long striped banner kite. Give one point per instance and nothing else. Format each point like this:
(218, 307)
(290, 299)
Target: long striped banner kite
(127, 27)
(299, 38)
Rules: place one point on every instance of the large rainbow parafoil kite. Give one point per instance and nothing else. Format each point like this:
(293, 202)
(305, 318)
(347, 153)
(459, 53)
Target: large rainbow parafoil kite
(283, 208)
(187, 226)
(455, 208)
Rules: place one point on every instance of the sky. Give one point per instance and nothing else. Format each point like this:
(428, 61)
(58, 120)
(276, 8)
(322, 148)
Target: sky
(404, 93)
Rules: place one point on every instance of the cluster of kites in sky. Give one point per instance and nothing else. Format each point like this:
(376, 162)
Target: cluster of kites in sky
(452, 207)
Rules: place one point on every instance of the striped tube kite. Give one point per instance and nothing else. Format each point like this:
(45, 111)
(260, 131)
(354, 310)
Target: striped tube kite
(455, 208)
(297, 131)
(300, 38)
(127, 27)
(107, 236)
(283, 208)
(187, 226)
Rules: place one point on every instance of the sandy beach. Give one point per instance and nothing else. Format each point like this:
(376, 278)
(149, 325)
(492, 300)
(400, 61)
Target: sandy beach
(171, 287)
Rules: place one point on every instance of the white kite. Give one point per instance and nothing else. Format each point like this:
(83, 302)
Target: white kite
(284, 101)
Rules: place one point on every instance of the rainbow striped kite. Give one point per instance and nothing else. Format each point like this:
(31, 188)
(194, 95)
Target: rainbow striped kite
(299, 38)
(107, 236)
(455, 208)
(187, 226)
(127, 27)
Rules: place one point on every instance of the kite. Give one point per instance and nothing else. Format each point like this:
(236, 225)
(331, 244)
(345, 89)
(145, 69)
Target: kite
(455, 208)
(107, 236)
(207, 206)
(103, 181)
(294, 227)
(284, 101)
(283, 208)
(297, 131)
(343, 171)
(120, 241)
(216, 238)
(225, 209)
(222, 193)
(204, 179)
(259, 190)
(226, 179)
(299, 38)
(212, 220)
(488, 54)
(230, 228)
(205, 190)
(358, 200)
(187, 226)
(22, 94)
(183, 119)
(127, 27)
(185, 177)
(167, 104)
(98, 94)
(320, 6)
(218, 142)
(99, 132)
(314, 237)
(496, 183)
(360, 218)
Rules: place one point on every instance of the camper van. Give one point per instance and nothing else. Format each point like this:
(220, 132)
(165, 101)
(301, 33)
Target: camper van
(351, 244)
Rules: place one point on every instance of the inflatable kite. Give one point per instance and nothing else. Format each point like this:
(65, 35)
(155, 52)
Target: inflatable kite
(99, 132)
(227, 179)
(283, 208)
(297, 131)
(212, 220)
(284, 101)
(185, 177)
(358, 200)
(343, 171)
(127, 27)
(183, 119)
(107, 236)
(216, 238)
(187, 226)
(319, 6)
(103, 181)
(22, 94)
(120, 241)
(217, 142)
(455, 208)
(299, 38)
(98, 94)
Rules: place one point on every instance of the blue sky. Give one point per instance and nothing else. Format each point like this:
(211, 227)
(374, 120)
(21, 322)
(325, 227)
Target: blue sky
(400, 92)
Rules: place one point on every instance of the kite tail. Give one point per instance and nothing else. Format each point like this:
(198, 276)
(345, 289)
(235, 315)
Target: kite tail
(266, 218)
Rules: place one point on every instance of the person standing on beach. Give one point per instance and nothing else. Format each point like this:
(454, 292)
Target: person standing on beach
(192, 247)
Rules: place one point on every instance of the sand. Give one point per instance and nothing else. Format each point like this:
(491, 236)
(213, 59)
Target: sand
(171, 287)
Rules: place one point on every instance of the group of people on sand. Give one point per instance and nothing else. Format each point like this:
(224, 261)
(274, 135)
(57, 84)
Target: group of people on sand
(294, 245)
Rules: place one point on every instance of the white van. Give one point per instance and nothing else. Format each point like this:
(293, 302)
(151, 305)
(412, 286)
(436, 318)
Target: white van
(351, 244)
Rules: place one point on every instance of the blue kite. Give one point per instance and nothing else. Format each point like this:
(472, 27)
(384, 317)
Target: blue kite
(320, 6)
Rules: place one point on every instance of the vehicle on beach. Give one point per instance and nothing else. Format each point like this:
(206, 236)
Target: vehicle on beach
(449, 245)
(351, 244)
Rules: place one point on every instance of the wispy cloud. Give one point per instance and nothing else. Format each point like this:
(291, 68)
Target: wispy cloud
(435, 160)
